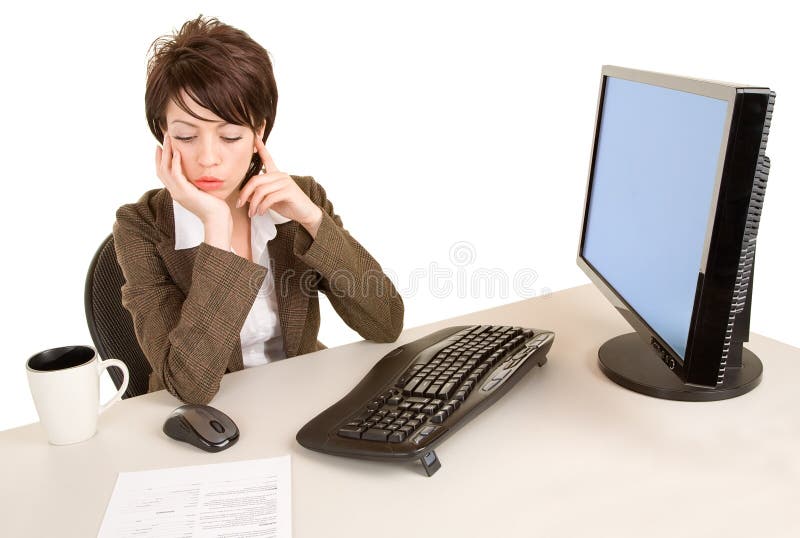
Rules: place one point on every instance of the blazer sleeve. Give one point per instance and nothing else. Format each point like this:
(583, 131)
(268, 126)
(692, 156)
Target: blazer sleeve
(188, 339)
(353, 281)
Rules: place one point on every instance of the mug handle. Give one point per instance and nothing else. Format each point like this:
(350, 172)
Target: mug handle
(108, 363)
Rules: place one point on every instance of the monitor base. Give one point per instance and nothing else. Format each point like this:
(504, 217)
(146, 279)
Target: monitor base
(628, 361)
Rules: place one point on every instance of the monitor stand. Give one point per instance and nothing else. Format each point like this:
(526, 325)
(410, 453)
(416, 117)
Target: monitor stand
(628, 361)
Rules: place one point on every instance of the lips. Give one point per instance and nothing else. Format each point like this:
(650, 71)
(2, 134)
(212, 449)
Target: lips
(208, 183)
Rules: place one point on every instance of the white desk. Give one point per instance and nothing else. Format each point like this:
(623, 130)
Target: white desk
(565, 453)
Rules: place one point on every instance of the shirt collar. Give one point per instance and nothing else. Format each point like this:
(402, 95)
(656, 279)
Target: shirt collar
(190, 232)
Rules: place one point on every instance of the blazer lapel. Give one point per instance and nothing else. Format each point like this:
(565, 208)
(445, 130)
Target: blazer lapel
(179, 263)
(292, 298)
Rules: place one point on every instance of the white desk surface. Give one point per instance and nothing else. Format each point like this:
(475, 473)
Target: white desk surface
(565, 453)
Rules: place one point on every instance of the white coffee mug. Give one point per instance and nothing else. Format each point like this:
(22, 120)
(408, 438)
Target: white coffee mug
(65, 384)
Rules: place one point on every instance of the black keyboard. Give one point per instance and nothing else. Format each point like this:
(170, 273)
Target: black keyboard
(420, 393)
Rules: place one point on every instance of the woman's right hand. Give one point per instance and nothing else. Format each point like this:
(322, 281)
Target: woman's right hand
(208, 208)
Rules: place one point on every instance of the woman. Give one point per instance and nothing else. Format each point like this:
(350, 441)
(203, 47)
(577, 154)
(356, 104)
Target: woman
(223, 265)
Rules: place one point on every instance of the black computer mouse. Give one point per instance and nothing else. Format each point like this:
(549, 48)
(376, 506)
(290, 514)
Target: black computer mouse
(202, 426)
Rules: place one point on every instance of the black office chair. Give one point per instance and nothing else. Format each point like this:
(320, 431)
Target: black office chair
(110, 325)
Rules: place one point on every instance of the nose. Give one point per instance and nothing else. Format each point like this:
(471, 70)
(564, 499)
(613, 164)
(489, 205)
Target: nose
(209, 153)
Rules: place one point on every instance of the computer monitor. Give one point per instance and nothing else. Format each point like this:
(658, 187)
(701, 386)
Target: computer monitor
(675, 190)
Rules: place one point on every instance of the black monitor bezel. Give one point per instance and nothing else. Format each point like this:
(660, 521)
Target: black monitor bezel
(704, 361)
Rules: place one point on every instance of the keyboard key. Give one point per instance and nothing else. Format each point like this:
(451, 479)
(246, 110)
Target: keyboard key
(429, 409)
(408, 389)
(447, 391)
(375, 434)
(406, 377)
(351, 433)
(397, 437)
(433, 391)
(364, 415)
(421, 387)
(439, 417)
(423, 433)
(482, 329)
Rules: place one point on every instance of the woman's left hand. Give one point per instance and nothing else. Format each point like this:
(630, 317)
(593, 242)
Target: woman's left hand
(278, 191)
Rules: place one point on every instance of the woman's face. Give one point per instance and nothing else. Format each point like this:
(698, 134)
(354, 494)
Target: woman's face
(210, 149)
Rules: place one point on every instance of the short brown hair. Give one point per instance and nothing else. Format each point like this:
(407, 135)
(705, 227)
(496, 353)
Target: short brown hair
(221, 68)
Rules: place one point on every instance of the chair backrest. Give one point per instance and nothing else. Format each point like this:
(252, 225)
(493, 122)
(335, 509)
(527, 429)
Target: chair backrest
(110, 324)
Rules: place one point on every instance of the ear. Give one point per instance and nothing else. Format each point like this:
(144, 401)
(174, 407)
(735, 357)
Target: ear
(260, 134)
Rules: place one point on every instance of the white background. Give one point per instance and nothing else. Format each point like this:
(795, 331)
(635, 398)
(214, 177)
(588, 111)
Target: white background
(451, 138)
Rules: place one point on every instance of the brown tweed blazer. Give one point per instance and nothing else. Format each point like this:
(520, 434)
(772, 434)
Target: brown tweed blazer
(189, 305)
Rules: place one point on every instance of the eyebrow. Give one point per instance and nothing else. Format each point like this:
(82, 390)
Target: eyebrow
(193, 125)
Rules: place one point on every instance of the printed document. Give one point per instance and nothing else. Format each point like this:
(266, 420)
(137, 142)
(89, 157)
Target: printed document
(243, 498)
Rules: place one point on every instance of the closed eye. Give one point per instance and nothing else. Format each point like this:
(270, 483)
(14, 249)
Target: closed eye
(190, 138)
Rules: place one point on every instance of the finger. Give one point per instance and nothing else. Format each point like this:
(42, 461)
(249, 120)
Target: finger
(159, 173)
(260, 194)
(177, 172)
(166, 160)
(269, 201)
(254, 183)
(264, 190)
(166, 153)
(162, 171)
(266, 158)
(248, 190)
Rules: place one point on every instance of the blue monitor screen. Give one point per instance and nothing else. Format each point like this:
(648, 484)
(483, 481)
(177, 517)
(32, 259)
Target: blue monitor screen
(650, 201)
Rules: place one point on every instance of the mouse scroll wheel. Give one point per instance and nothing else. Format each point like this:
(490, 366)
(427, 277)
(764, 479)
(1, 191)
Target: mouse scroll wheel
(217, 426)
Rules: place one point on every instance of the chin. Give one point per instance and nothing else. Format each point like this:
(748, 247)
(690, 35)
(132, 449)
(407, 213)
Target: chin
(222, 193)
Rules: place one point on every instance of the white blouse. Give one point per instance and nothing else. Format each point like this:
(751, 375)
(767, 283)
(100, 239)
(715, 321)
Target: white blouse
(261, 337)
